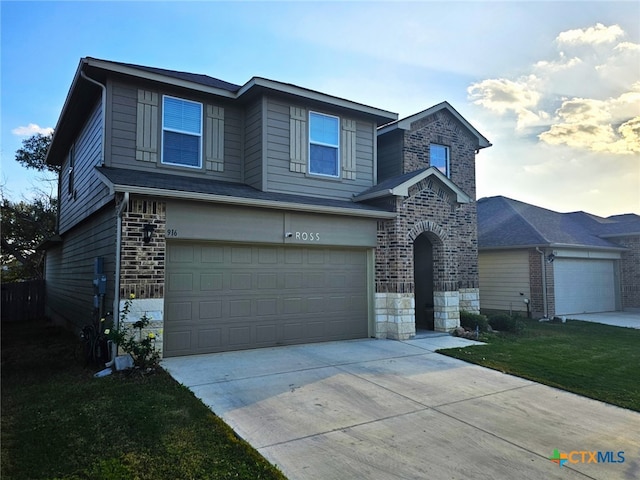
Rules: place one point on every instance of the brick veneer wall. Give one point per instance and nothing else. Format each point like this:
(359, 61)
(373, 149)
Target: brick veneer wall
(442, 128)
(535, 284)
(142, 266)
(430, 209)
(630, 271)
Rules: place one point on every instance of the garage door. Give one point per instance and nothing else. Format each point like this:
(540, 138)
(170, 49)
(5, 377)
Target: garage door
(583, 286)
(232, 297)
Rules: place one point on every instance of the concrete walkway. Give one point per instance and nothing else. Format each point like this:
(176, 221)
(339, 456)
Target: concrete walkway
(383, 409)
(629, 318)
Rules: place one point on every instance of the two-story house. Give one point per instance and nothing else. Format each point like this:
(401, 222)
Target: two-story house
(263, 214)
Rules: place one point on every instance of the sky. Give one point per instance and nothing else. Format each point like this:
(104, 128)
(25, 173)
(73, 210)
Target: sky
(554, 86)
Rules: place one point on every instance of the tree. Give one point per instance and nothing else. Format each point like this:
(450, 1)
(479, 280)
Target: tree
(34, 153)
(24, 226)
(27, 223)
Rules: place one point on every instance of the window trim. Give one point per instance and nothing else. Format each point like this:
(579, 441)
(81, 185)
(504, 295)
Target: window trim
(183, 132)
(447, 160)
(337, 146)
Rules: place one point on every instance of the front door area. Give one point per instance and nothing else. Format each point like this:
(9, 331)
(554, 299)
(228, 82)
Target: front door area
(423, 280)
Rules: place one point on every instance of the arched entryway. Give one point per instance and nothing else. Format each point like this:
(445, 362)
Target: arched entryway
(423, 281)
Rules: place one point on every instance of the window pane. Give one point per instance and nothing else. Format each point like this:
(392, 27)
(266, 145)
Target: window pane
(182, 115)
(181, 149)
(324, 129)
(324, 160)
(439, 156)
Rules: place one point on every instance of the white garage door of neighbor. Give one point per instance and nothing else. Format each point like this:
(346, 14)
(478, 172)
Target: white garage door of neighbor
(222, 297)
(584, 285)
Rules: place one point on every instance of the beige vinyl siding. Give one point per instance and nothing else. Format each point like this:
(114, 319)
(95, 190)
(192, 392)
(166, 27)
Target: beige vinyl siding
(503, 276)
(89, 193)
(70, 267)
(253, 146)
(124, 132)
(282, 179)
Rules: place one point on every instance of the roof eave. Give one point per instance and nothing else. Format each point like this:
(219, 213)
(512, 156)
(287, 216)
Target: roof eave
(550, 245)
(382, 116)
(405, 123)
(156, 77)
(242, 201)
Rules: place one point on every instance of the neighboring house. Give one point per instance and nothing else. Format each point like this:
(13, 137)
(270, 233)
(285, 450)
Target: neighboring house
(564, 263)
(263, 214)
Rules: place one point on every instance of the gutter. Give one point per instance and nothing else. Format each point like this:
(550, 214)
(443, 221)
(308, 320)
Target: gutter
(103, 112)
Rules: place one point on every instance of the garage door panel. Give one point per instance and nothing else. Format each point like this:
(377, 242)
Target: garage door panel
(179, 311)
(250, 296)
(212, 254)
(209, 338)
(240, 336)
(211, 281)
(210, 310)
(180, 282)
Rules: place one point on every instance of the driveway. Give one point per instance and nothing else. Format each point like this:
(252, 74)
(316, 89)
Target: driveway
(384, 409)
(629, 318)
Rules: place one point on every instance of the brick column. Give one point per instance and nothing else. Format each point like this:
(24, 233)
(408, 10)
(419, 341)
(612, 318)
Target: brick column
(142, 266)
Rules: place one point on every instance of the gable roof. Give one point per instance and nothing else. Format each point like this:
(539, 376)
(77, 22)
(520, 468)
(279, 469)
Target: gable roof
(399, 186)
(189, 77)
(207, 190)
(84, 92)
(508, 223)
(405, 123)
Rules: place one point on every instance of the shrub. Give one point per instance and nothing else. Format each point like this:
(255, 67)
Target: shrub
(506, 323)
(471, 320)
(141, 347)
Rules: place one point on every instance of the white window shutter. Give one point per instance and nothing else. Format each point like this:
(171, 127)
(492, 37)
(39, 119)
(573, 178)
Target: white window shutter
(147, 126)
(214, 139)
(348, 149)
(299, 145)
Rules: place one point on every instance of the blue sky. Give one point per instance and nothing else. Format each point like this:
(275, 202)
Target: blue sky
(555, 86)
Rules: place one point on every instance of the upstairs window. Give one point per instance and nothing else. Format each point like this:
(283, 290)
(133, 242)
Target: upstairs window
(439, 158)
(181, 132)
(324, 146)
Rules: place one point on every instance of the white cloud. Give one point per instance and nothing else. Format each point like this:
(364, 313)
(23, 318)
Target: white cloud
(588, 99)
(593, 35)
(501, 95)
(32, 129)
(591, 124)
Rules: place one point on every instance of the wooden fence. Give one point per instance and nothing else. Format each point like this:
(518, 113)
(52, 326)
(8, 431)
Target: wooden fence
(22, 301)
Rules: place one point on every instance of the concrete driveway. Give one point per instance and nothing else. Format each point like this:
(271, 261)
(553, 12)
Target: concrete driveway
(384, 409)
(629, 318)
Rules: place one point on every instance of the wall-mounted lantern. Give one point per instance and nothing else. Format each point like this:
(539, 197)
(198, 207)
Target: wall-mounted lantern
(147, 232)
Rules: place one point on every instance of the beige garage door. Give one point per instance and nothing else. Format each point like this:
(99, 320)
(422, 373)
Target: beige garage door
(233, 297)
(584, 285)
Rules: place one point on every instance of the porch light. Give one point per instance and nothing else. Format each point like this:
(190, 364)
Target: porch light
(147, 232)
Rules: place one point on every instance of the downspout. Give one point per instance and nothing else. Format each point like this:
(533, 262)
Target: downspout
(116, 298)
(544, 282)
(116, 302)
(103, 112)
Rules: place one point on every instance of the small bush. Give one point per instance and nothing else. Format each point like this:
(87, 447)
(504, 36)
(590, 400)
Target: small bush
(506, 323)
(471, 320)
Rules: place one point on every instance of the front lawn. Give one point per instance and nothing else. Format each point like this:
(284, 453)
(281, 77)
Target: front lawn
(59, 422)
(590, 359)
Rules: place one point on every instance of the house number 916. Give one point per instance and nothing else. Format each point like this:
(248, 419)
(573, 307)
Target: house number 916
(172, 232)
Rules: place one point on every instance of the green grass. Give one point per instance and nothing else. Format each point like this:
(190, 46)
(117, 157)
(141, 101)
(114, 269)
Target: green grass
(590, 359)
(59, 422)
